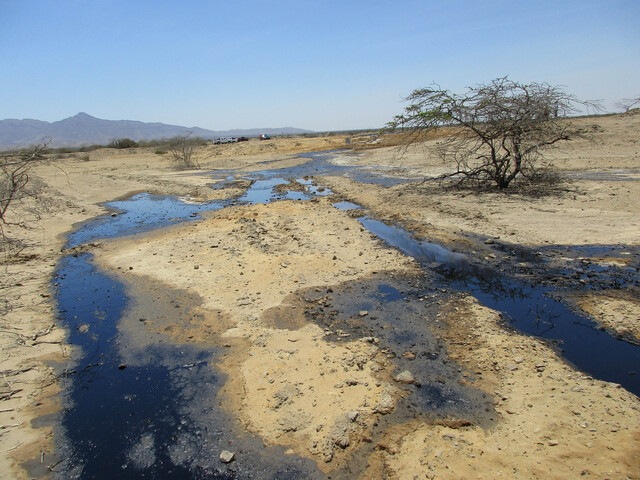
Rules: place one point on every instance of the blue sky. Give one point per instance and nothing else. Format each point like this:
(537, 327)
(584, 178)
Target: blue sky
(329, 65)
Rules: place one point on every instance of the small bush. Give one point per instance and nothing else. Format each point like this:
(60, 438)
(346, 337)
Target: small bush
(122, 143)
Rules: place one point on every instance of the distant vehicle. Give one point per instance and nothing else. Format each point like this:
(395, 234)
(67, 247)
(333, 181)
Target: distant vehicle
(264, 136)
(226, 140)
(243, 139)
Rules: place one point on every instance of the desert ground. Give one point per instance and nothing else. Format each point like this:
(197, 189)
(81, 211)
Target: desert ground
(325, 386)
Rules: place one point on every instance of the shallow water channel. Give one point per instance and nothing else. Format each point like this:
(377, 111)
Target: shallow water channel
(153, 413)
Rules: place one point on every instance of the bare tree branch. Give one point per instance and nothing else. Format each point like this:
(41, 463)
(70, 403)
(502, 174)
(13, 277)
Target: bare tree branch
(14, 176)
(498, 131)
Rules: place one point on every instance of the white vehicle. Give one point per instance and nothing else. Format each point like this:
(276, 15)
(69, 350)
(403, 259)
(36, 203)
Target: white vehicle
(226, 140)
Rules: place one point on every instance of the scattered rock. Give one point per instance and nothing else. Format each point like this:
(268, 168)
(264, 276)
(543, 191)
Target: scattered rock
(405, 377)
(363, 313)
(385, 405)
(342, 440)
(226, 456)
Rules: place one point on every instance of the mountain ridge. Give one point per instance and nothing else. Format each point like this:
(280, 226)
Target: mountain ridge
(84, 129)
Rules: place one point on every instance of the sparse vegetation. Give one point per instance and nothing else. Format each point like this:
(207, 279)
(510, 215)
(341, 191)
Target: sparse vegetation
(14, 180)
(627, 104)
(122, 143)
(14, 170)
(499, 130)
(181, 149)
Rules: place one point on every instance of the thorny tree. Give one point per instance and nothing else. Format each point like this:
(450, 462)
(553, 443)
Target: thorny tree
(181, 148)
(627, 104)
(14, 177)
(498, 131)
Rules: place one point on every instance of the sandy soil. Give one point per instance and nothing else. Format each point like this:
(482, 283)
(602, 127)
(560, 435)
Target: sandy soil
(289, 383)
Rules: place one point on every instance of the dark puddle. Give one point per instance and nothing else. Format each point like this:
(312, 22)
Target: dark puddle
(140, 213)
(267, 190)
(347, 206)
(531, 309)
(145, 410)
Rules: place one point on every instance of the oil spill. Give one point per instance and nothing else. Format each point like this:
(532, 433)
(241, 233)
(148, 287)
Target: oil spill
(151, 410)
(401, 313)
(145, 410)
(571, 267)
(319, 164)
(530, 308)
(269, 190)
(140, 213)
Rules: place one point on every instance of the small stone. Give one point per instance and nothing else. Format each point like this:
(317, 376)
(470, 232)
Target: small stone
(351, 416)
(363, 313)
(226, 456)
(342, 441)
(512, 367)
(83, 328)
(489, 241)
(553, 443)
(405, 377)
(385, 405)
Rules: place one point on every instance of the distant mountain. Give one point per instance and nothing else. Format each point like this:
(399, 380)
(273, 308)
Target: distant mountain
(83, 129)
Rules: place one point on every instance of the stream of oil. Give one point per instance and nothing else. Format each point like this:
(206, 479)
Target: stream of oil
(528, 308)
(158, 418)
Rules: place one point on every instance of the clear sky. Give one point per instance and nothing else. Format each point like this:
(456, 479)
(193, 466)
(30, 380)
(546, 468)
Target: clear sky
(329, 65)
